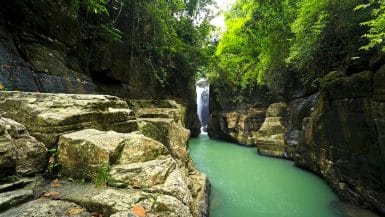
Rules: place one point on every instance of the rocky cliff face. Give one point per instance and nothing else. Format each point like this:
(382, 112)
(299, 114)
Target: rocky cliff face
(238, 126)
(137, 156)
(236, 123)
(337, 133)
(343, 139)
(44, 48)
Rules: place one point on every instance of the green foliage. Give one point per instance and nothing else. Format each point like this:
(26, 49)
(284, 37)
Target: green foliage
(102, 176)
(254, 48)
(267, 41)
(327, 35)
(165, 37)
(94, 6)
(54, 166)
(308, 29)
(376, 33)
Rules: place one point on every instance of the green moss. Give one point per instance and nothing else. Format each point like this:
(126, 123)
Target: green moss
(331, 76)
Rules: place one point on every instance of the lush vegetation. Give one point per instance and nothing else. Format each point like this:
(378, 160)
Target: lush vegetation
(166, 37)
(267, 42)
(376, 34)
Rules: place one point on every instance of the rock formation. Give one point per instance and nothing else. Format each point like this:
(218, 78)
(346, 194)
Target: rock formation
(343, 138)
(336, 133)
(269, 139)
(239, 126)
(137, 154)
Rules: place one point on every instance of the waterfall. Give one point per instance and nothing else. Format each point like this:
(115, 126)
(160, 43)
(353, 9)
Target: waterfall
(203, 92)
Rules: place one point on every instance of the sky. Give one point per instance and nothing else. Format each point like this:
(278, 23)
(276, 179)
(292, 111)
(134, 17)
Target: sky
(223, 5)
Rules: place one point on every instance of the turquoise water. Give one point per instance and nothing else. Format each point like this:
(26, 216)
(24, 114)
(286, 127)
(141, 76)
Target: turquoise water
(245, 184)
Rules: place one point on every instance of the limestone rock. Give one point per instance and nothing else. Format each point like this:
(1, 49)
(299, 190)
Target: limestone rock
(142, 174)
(15, 192)
(20, 153)
(175, 186)
(357, 85)
(276, 110)
(166, 206)
(171, 134)
(7, 155)
(343, 139)
(179, 111)
(270, 137)
(95, 139)
(200, 188)
(378, 85)
(299, 110)
(158, 109)
(47, 208)
(16, 184)
(47, 116)
(237, 126)
(124, 214)
(84, 153)
(15, 73)
(349, 210)
(139, 148)
(109, 201)
(14, 198)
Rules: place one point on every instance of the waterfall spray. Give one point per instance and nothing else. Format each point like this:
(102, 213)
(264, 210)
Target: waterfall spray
(203, 92)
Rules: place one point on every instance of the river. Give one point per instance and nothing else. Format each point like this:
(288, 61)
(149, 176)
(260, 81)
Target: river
(245, 184)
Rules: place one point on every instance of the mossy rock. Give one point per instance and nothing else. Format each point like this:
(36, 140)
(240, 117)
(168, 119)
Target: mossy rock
(357, 85)
(276, 110)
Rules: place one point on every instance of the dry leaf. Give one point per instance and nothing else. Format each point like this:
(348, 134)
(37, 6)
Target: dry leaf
(139, 211)
(51, 194)
(74, 211)
(56, 184)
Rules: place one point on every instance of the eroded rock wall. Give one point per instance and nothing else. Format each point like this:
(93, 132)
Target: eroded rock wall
(337, 133)
(343, 140)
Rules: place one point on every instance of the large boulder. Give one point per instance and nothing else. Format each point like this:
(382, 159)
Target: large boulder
(20, 153)
(96, 141)
(158, 109)
(172, 135)
(83, 154)
(130, 160)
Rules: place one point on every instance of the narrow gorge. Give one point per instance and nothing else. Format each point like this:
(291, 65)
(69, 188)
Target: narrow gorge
(181, 108)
